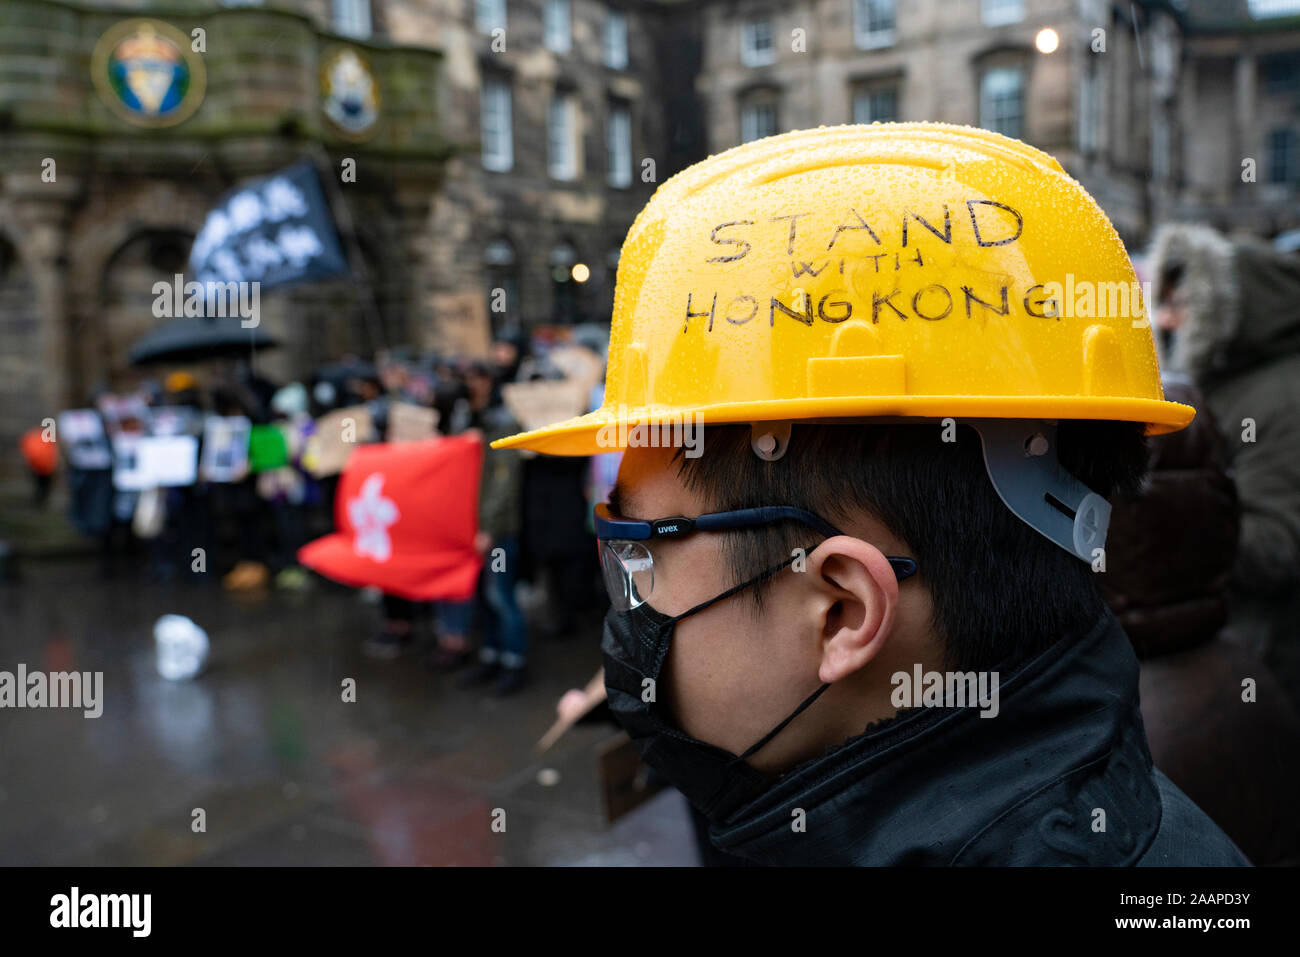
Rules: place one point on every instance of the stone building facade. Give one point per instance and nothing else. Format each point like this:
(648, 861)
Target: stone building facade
(96, 205)
(513, 142)
(94, 209)
(1152, 105)
(565, 109)
(1236, 110)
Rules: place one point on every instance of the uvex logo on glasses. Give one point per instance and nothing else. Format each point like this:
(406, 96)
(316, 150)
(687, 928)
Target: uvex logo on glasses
(628, 566)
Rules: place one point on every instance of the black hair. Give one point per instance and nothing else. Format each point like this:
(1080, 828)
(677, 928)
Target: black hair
(1000, 590)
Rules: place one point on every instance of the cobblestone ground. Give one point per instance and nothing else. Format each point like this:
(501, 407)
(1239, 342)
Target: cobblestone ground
(284, 770)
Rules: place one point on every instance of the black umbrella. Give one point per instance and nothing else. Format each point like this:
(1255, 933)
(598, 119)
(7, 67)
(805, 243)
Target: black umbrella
(191, 339)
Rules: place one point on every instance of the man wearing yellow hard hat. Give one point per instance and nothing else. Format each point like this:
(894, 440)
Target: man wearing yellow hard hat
(874, 385)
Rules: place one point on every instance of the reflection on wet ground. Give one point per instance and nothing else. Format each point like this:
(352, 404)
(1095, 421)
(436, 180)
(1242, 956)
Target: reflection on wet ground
(284, 770)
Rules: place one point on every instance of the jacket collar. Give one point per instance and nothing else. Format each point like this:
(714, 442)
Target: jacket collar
(1061, 775)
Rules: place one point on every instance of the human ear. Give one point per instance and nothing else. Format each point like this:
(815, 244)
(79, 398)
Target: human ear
(856, 595)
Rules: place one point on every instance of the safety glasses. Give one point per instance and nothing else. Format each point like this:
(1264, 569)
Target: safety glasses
(628, 565)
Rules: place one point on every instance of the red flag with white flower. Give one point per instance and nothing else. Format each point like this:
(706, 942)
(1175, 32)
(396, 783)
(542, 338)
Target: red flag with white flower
(406, 515)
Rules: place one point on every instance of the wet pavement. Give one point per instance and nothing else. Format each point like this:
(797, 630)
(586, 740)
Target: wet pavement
(415, 771)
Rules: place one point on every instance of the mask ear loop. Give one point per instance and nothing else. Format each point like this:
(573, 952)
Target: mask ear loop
(740, 758)
(780, 727)
(762, 576)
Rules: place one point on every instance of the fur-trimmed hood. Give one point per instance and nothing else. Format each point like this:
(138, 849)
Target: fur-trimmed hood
(1243, 300)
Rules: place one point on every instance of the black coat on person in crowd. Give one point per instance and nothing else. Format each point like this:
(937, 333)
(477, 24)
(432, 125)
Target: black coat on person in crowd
(555, 508)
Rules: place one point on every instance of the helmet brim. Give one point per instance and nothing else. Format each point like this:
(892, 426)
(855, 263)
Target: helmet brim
(609, 430)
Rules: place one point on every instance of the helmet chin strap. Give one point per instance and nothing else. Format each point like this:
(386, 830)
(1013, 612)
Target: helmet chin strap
(1021, 459)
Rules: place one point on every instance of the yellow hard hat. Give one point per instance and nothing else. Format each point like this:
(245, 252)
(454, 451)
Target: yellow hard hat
(897, 269)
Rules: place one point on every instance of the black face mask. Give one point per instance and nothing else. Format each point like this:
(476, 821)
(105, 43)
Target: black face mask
(635, 647)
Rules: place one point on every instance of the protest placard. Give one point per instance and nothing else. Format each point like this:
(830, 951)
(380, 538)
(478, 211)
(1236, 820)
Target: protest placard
(167, 460)
(544, 402)
(578, 363)
(462, 327)
(337, 434)
(81, 434)
(225, 448)
(411, 423)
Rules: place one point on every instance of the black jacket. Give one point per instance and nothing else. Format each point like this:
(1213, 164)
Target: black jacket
(943, 786)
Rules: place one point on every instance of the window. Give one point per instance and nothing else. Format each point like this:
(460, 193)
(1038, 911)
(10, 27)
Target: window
(503, 274)
(352, 18)
(873, 23)
(878, 104)
(499, 252)
(1261, 9)
(1160, 148)
(995, 13)
(1002, 94)
(1163, 65)
(757, 45)
(1281, 73)
(616, 40)
(618, 146)
(563, 255)
(496, 128)
(1089, 107)
(564, 303)
(1283, 158)
(556, 30)
(489, 15)
(561, 129)
(758, 119)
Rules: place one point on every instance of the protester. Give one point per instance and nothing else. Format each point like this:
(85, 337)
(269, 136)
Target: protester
(770, 659)
(90, 481)
(405, 528)
(239, 500)
(1232, 310)
(508, 354)
(123, 417)
(41, 454)
(1217, 720)
(453, 618)
(560, 548)
(503, 654)
(286, 487)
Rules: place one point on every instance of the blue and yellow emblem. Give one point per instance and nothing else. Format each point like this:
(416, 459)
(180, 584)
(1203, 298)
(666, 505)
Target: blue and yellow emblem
(147, 74)
(349, 93)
